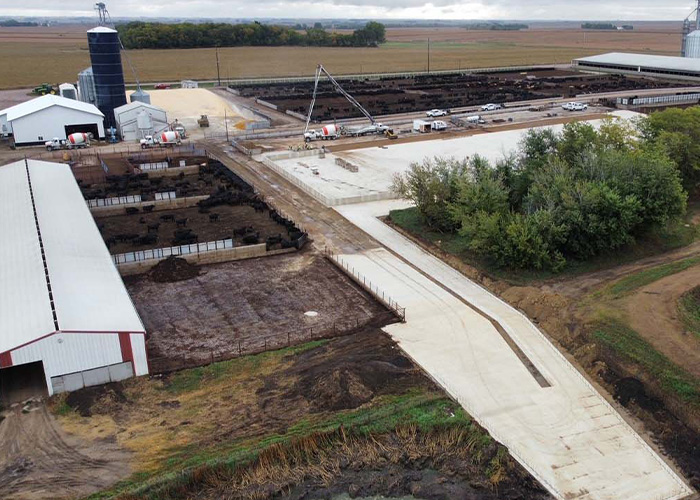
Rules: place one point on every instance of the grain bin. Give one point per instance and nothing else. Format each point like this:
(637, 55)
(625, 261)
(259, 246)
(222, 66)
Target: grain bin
(107, 71)
(692, 45)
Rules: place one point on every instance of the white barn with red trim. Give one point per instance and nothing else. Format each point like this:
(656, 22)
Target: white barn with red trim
(66, 319)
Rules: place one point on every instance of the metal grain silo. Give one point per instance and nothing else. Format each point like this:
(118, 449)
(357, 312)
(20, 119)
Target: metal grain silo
(692, 45)
(107, 71)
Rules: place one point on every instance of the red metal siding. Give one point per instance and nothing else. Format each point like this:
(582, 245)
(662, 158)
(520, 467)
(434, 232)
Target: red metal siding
(125, 344)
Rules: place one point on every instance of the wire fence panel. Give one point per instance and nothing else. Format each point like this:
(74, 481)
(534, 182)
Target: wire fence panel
(117, 200)
(162, 253)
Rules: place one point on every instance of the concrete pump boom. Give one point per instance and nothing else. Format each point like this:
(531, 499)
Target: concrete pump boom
(321, 70)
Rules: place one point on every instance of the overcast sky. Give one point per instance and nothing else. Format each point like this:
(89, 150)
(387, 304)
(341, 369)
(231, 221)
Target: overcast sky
(365, 9)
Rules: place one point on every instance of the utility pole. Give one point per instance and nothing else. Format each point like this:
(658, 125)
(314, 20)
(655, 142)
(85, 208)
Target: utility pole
(428, 55)
(218, 75)
(226, 123)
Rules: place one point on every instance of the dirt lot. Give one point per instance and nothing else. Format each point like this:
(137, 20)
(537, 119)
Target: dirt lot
(252, 304)
(186, 185)
(230, 218)
(56, 54)
(255, 402)
(388, 96)
(653, 313)
(39, 460)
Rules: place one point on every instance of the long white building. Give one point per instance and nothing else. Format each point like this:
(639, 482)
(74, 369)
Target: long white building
(66, 319)
(46, 117)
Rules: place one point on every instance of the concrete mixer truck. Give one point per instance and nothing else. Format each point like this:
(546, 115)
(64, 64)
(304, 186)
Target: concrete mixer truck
(163, 140)
(76, 140)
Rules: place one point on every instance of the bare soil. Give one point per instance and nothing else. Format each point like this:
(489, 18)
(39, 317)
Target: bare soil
(248, 306)
(653, 313)
(39, 460)
(251, 398)
(229, 219)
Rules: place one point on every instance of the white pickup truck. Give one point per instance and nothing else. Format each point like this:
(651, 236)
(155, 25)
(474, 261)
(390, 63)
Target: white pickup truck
(575, 106)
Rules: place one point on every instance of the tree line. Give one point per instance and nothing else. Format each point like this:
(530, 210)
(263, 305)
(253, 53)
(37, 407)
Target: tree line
(142, 35)
(497, 26)
(563, 196)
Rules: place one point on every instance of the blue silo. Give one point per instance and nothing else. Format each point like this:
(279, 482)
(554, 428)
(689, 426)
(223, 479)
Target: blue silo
(107, 69)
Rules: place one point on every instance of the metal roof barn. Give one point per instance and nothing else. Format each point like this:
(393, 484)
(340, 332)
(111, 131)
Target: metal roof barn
(132, 126)
(49, 116)
(64, 309)
(682, 68)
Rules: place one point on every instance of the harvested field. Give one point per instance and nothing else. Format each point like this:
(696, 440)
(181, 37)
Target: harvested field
(116, 228)
(251, 305)
(274, 403)
(401, 95)
(58, 53)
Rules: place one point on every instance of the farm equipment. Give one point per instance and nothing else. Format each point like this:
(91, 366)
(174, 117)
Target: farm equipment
(165, 139)
(45, 88)
(390, 134)
(203, 121)
(332, 131)
(77, 140)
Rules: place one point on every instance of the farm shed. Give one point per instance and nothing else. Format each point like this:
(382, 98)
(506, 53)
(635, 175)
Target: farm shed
(49, 116)
(138, 119)
(66, 319)
(682, 68)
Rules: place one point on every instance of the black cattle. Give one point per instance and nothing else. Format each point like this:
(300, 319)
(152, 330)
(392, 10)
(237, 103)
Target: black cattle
(181, 222)
(167, 217)
(153, 228)
(131, 210)
(242, 231)
(213, 217)
(148, 208)
(148, 239)
(251, 239)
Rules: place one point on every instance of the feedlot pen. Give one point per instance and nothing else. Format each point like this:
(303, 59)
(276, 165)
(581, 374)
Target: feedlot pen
(249, 306)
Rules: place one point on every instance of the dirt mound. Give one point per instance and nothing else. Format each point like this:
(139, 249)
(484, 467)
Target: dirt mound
(96, 400)
(173, 269)
(351, 384)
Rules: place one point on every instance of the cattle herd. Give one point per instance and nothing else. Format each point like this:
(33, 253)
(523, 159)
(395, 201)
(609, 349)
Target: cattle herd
(224, 189)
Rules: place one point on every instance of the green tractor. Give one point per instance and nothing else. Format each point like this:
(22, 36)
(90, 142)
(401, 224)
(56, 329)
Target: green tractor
(45, 88)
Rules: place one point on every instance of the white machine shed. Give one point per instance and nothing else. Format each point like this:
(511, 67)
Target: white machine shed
(66, 319)
(50, 116)
(138, 119)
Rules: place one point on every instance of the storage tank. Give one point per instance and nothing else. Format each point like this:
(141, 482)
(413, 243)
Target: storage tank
(68, 91)
(144, 123)
(140, 96)
(692, 45)
(107, 71)
(86, 86)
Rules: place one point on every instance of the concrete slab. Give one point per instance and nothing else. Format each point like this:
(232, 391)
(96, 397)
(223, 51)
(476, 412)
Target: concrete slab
(377, 166)
(566, 434)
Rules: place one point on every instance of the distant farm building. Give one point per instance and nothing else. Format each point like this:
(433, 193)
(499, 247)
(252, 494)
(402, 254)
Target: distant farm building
(66, 319)
(41, 119)
(137, 119)
(682, 68)
(189, 84)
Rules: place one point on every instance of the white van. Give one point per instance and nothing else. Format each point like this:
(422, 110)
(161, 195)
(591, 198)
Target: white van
(438, 125)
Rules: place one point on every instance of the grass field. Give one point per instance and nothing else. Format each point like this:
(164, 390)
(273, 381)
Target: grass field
(32, 56)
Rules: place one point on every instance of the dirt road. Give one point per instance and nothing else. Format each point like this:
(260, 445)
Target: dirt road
(653, 313)
(39, 461)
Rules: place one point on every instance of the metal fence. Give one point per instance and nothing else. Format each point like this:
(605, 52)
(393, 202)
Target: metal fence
(160, 165)
(663, 99)
(116, 200)
(238, 347)
(361, 280)
(162, 253)
(168, 195)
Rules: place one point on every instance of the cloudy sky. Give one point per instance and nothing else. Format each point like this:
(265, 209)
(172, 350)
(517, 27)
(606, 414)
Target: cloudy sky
(364, 9)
